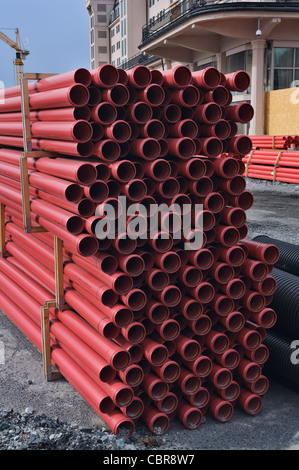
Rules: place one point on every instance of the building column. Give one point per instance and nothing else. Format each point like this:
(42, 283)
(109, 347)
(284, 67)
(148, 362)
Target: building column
(168, 64)
(257, 86)
(221, 62)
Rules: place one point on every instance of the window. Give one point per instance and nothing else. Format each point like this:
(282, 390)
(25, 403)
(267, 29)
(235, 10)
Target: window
(282, 67)
(92, 36)
(118, 45)
(102, 49)
(101, 7)
(117, 28)
(102, 34)
(92, 52)
(102, 19)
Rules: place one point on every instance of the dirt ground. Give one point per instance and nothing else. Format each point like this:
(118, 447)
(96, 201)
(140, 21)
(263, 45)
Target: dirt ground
(22, 384)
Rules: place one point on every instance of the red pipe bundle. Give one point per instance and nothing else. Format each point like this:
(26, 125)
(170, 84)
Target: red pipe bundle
(155, 328)
(273, 165)
(274, 142)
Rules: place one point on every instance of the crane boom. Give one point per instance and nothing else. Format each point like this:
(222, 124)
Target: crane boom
(20, 53)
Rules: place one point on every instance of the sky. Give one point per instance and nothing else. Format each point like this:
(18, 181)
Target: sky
(56, 33)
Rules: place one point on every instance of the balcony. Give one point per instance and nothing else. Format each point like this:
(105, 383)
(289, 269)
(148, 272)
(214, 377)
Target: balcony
(182, 10)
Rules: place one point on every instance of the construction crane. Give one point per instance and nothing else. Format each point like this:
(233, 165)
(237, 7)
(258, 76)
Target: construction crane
(21, 54)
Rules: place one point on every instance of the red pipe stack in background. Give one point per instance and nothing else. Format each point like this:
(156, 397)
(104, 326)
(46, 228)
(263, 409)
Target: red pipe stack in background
(273, 165)
(152, 331)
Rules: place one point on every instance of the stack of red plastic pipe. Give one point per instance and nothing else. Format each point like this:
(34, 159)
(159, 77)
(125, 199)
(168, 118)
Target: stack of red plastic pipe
(274, 142)
(273, 165)
(153, 331)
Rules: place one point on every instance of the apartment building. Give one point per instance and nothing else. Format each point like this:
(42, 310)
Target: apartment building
(261, 37)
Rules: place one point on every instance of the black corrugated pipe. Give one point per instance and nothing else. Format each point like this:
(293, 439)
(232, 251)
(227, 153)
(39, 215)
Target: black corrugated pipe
(289, 254)
(286, 303)
(283, 362)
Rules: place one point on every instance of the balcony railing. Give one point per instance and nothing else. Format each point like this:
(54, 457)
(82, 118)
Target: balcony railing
(183, 9)
(138, 59)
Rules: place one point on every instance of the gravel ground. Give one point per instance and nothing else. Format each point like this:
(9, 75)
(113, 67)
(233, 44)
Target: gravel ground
(35, 414)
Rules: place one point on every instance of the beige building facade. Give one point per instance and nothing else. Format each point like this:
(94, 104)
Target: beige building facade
(261, 37)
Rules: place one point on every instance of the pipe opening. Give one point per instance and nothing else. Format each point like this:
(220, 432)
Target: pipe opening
(155, 129)
(186, 148)
(121, 131)
(136, 190)
(225, 273)
(172, 296)
(245, 200)
(201, 397)
(254, 405)
(268, 318)
(135, 409)
(108, 75)
(74, 192)
(193, 276)
(193, 310)
(203, 186)
(155, 94)
(271, 254)
(107, 374)
(253, 372)
(204, 259)
(232, 359)
(111, 331)
(172, 113)
(170, 330)
(109, 298)
(159, 355)
(191, 385)
(220, 344)
(95, 96)
(203, 325)
(88, 246)
(134, 265)
(261, 385)
(85, 149)
(106, 405)
(236, 322)
(159, 280)
(151, 149)
(211, 77)
(171, 373)
(225, 306)
(142, 76)
(230, 167)
(268, 286)
(160, 425)
(203, 366)
(223, 378)
(182, 76)
(86, 174)
(136, 300)
(236, 256)
(242, 81)
(231, 236)
(159, 390)
(142, 112)
(261, 354)
(110, 150)
(79, 95)
(159, 313)
(243, 145)
(225, 411)
(171, 262)
(75, 225)
(169, 403)
(232, 392)
(119, 95)
(196, 168)
(190, 96)
(82, 113)
(134, 376)
(107, 113)
(123, 284)
(193, 419)
(123, 317)
(189, 128)
(161, 169)
(245, 112)
(256, 302)
(205, 293)
(191, 351)
(125, 429)
(220, 95)
(86, 207)
(215, 202)
(98, 191)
